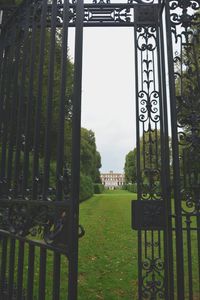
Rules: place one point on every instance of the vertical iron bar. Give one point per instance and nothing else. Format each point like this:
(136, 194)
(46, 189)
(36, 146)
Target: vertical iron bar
(2, 51)
(42, 274)
(3, 264)
(168, 251)
(47, 146)
(11, 268)
(76, 131)
(6, 112)
(20, 271)
(189, 257)
(60, 142)
(21, 102)
(30, 278)
(138, 166)
(39, 100)
(29, 106)
(56, 276)
(3, 84)
(13, 121)
(176, 167)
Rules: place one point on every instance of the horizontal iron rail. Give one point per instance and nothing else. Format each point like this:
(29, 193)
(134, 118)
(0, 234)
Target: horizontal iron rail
(98, 14)
(37, 243)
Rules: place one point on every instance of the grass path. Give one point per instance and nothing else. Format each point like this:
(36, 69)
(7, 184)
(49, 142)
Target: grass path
(107, 262)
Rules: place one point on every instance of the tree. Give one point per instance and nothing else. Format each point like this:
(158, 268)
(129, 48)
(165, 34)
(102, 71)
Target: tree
(130, 167)
(188, 108)
(90, 158)
(150, 158)
(98, 166)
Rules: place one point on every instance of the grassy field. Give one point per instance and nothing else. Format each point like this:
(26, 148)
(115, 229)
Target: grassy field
(107, 262)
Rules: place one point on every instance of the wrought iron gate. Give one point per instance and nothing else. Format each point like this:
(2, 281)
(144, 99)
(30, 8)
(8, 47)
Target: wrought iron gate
(39, 173)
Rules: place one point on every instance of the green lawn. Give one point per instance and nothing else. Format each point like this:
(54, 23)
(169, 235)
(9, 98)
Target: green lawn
(108, 251)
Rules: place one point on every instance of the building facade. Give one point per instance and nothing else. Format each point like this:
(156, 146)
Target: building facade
(112, 180)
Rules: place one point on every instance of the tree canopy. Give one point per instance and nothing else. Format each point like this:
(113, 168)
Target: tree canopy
(90, 157)
(131, 167)
(150, 158)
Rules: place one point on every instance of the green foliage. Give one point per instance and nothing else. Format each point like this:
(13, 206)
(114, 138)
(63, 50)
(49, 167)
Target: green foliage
(86, 187)
(90, 157)
(98, 188)
(188, 109)
(130, 167)
(97, 167)
(150, 159)
(90, 162)
(132, 187)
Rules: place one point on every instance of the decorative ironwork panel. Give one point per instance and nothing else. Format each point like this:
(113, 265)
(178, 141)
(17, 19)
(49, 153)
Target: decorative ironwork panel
(184, 21)
(152, 220)
(96, 13)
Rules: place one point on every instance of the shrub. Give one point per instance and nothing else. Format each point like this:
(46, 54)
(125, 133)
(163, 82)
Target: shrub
(86, 187)
(98, 188)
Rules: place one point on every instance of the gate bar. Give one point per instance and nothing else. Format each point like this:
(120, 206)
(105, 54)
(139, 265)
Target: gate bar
(166, 175)
(176, 167)
(76, 131)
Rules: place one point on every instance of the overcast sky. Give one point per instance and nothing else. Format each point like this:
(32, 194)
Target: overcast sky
(108, 92)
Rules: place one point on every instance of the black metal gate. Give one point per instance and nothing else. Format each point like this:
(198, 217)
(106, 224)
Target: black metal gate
(40, 145)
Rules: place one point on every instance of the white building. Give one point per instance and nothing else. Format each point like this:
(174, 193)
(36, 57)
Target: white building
(112, 180)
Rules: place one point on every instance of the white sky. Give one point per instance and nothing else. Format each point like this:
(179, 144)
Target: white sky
(108, 92)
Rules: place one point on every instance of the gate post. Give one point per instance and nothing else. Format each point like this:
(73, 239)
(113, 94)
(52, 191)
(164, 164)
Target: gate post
(76, 131)
(152, 210)
(168, 246)
(176, 166)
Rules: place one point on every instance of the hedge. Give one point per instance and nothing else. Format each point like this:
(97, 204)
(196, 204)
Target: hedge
(132, 187)
(98, 188)
(86, 187)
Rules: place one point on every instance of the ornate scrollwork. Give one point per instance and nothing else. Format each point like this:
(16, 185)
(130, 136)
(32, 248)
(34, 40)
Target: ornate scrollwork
(101, 1)
(185, 22)
(146, 39)
(153, 280)
(183, 15)
(149, 105)
(44, 221)
(25, 219)
(191, 201)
